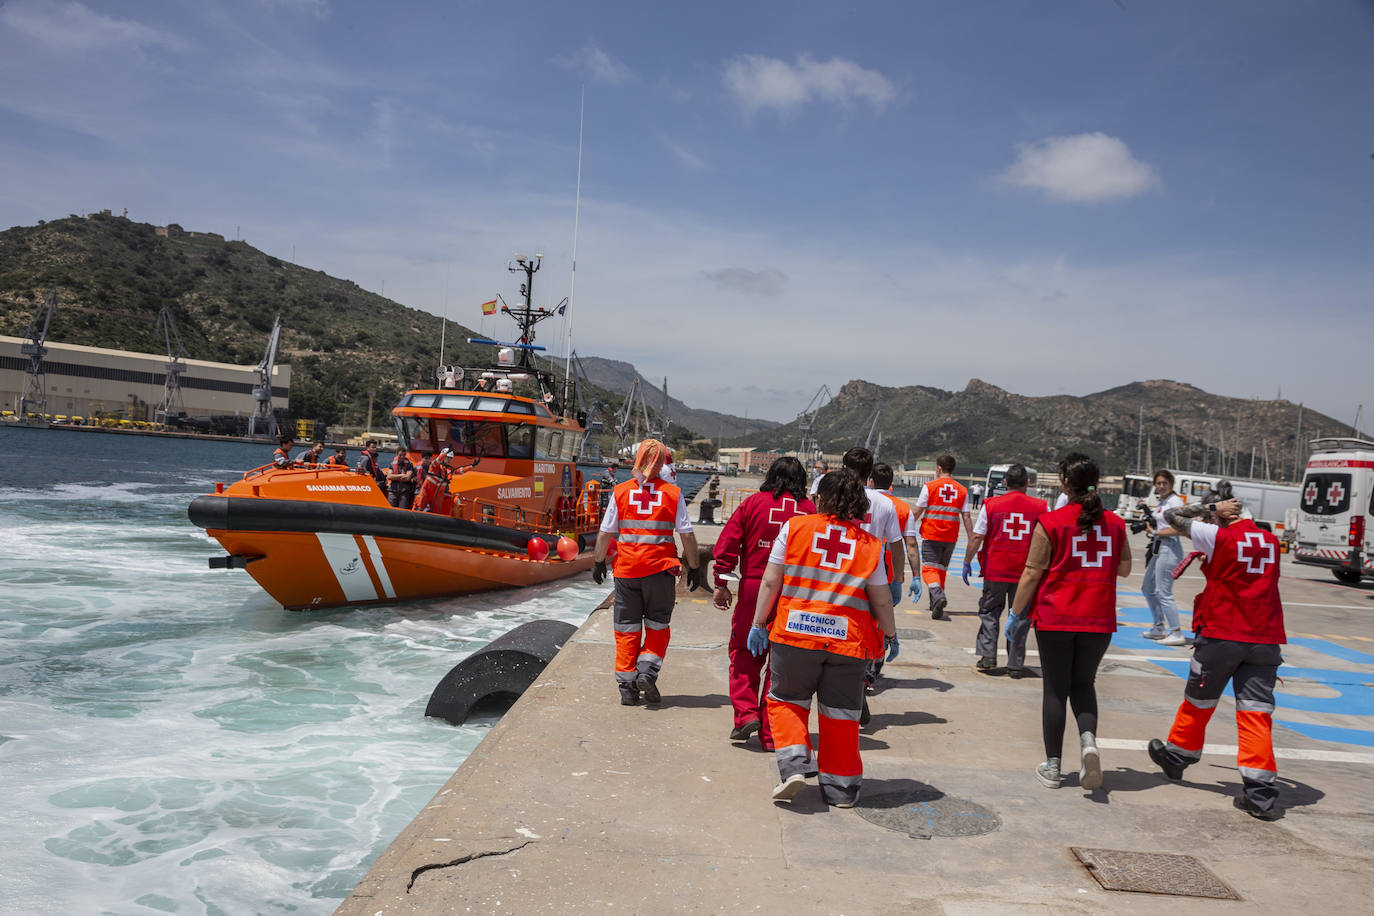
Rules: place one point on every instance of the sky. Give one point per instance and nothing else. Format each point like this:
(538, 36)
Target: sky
(775, 196)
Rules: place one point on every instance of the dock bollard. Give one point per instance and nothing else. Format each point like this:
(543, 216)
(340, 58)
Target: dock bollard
(502, 670)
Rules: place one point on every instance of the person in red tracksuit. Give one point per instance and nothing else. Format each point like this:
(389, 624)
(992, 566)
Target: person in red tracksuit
(834, 615)
(1077, 553)
(744, 543)
(1238, 618)
(1001, 540)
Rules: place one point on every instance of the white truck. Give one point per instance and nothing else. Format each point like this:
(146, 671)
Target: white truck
(1336, 512)
(997, 480)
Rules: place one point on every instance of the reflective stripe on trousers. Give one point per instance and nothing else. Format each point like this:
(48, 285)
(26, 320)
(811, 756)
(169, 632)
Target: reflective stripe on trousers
(837, 683)
(1251, 669)
(642, 613)
(935, 556)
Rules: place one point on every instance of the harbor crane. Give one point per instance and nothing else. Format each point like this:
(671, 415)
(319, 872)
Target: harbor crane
(35, 348)
(172, 404)
(869, 443)
(263, 422)
(806, 424)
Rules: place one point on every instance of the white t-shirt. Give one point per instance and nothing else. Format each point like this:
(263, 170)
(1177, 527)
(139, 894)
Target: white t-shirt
(1172, 502)
(882, 517)
(1204, 537)
(610, 522)
(1062, 501)
(981, 526)
(778, 555)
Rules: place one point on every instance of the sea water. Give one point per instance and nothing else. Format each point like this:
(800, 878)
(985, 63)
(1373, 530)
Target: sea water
(171, 739)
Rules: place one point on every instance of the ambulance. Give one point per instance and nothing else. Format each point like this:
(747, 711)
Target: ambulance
(1336, 511)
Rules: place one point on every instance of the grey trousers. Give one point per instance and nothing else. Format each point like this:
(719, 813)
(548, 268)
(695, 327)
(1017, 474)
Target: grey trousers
(997, 596)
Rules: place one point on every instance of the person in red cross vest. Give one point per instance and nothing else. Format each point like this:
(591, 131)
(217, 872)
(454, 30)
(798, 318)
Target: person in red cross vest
(642, 515)
(1076, 555)
(940, 508)
(744, 544)
(1001, 540)
(834, 615)
(1238, 619)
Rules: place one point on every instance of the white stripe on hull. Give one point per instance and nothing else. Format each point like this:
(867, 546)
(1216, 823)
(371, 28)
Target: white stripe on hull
(346, 562)
(379, 564)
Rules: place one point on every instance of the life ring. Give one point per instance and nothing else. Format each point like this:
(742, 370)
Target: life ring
(564, 509)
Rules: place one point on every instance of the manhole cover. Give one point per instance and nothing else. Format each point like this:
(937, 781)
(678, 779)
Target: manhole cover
(912, 634)
(1152, 873)
(925, 812)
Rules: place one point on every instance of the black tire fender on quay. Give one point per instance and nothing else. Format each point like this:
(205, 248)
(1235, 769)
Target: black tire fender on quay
(504, 669)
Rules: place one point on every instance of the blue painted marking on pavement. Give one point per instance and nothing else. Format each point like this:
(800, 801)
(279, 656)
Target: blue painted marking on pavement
(1334, 650)
(1330, 732)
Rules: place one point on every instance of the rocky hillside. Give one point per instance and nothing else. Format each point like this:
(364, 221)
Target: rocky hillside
(984, 424)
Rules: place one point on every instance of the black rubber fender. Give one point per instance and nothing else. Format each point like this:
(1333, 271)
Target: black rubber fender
(506, 666)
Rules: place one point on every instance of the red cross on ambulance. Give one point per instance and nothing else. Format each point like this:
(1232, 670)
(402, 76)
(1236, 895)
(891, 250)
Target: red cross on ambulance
(1335, 493)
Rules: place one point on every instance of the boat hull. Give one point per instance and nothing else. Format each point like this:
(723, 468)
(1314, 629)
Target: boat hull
(318, 555)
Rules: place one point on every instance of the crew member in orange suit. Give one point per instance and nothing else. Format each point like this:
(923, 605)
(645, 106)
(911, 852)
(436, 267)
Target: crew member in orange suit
(1239, 623)
(745, 543)
(1001, 540)
(642, 516)
(834, 615)
(940, 506)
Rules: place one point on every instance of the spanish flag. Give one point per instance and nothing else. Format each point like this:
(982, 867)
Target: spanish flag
(489, 308)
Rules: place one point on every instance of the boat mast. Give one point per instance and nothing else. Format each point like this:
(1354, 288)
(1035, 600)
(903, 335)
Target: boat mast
(572, 284)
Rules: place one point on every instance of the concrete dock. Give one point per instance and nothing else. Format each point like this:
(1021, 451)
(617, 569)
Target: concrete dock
(576, 804)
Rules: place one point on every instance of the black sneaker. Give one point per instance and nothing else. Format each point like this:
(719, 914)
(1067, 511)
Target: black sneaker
(1156, 751)
(1016, 673)
(1244, 804)
(742, 732)
(985, 665)
(650, 688)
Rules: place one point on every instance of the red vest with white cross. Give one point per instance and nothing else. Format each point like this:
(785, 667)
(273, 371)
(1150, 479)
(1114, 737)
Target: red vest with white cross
(1078, 593)
(1011, 520)
(647, 515)
(823, 603)
(1241, 599)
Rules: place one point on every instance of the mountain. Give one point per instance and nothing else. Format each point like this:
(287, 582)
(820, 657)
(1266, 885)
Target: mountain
(984, 424)
(619, 377)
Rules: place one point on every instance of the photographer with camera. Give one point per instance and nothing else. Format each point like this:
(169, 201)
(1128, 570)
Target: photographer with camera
(1161, 556)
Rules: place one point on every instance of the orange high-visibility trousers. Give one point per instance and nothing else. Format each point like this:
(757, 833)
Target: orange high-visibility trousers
(837, 683)
(1252, 670)
(642, 613)
(935, 557)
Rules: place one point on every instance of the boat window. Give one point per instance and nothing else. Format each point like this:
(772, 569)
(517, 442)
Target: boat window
(496, 404)
(547, 443)
(412, 434)
(420, 400)
(572, 445)
(453, 401)
(466, 437)
(1326, 494)
(518, 407)
(519, 441)
(542, 410)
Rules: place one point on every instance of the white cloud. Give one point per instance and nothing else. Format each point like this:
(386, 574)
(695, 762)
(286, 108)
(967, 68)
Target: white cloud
(1083, 168)
(686, 157)
(383, 130)
(596, 65)
(76, 27)
(758, 82)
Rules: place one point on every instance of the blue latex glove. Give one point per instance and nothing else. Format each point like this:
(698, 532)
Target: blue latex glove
(896, 589)
(915, 590)
(967, 571)
(892, 647)
(1013, 624)
(758, 640)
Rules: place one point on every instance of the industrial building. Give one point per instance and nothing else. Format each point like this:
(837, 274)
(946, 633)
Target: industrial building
(83, 381)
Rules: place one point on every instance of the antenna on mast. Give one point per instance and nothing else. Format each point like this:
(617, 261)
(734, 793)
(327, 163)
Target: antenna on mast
(572, 284)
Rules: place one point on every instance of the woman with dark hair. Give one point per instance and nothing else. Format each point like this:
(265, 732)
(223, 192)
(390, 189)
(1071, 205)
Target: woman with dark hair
(1076, 555)
(1164, 553)
(744, 543)
(834, 614)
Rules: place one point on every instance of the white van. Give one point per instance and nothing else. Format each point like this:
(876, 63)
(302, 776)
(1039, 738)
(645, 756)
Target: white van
(997, 480)
(1266, 502)
(1334, 515)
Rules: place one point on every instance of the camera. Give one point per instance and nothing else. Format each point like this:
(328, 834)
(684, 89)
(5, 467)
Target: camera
(1146, 521)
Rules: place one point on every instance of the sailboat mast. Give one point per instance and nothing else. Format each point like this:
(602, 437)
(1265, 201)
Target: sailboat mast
(572, 284)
